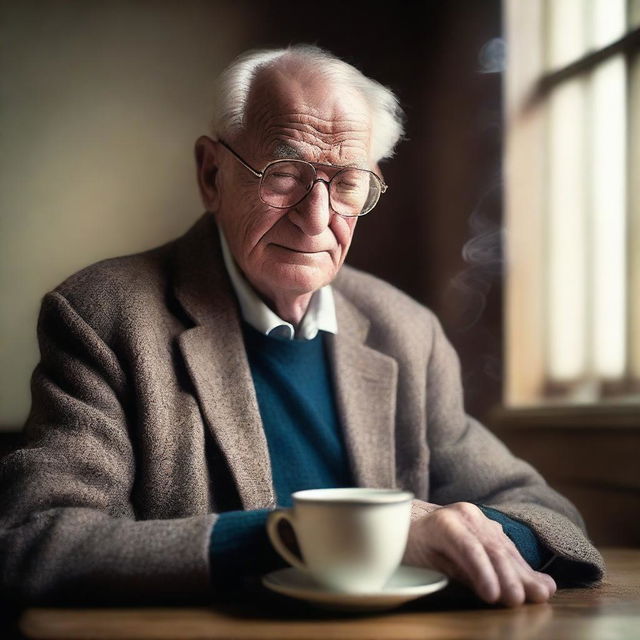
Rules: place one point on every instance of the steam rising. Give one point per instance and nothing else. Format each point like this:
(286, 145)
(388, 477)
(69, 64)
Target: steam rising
(484, 257)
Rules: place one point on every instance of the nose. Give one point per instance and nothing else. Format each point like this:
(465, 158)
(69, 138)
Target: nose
(313, 213)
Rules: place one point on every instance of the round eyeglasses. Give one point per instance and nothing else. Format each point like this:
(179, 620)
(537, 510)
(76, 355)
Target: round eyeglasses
(286, 183)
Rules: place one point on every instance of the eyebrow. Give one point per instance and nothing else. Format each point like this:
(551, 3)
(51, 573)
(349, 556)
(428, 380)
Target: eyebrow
(284, 151)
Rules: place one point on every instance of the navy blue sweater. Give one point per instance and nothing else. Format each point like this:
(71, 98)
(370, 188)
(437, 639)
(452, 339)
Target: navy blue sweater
(296, 401)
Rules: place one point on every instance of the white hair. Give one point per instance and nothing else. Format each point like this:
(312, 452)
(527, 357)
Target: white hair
(235, 84)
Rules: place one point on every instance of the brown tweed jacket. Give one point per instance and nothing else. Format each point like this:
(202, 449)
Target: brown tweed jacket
(144, 424)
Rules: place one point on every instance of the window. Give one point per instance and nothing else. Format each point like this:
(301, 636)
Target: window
(572, 164)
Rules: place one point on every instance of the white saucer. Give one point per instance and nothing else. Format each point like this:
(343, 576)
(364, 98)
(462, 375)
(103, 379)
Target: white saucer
(407, 583)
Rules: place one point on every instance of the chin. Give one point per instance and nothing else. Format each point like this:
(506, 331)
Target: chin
(298, 279)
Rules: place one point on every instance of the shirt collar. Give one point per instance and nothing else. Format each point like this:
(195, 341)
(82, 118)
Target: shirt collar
(320, 314)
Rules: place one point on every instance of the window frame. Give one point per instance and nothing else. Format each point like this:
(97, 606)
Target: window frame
(528, 84)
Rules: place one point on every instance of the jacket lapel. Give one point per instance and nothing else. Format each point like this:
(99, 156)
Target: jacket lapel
(365, 388)
(214, 354)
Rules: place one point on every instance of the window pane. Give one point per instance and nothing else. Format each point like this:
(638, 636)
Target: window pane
(608, 21)
(608, 219)
(567, 32)
(567, 234)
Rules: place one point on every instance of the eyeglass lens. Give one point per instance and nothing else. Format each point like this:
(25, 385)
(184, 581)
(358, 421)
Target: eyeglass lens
(352, 192)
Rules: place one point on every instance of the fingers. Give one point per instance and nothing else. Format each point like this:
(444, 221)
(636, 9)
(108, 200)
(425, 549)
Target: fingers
(512, 580)
(542, 588)
(549, 581)
(539, 587)
(464, 550)
(519, 583)
(476, 566)
(460, 541)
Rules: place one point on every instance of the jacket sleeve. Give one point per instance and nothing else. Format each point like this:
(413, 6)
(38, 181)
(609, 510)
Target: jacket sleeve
(470, 464)
(68, 529)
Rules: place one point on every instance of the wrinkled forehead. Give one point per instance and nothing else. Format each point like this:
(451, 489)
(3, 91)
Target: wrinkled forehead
(304, 114)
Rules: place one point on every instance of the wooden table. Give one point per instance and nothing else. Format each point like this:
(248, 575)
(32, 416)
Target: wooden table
(608, 612)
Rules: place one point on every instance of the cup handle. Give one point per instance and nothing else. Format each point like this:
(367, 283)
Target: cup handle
(274, 535)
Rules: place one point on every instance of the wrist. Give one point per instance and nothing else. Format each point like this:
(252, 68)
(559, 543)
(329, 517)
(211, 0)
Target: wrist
(420, 508)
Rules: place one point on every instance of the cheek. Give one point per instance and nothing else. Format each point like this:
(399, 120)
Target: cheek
(246, 222)
(343, 229)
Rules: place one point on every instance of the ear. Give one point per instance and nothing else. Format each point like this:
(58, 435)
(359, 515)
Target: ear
(207, 153)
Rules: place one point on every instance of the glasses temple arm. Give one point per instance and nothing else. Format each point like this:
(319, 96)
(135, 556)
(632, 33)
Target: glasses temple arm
(256, 173)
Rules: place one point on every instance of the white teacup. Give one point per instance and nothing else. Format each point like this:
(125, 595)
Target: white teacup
(351, 540)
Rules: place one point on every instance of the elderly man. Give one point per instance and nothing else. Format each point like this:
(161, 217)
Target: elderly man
(185, 392)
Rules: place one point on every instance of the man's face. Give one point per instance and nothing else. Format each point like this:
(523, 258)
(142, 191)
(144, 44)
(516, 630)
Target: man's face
(291, 252)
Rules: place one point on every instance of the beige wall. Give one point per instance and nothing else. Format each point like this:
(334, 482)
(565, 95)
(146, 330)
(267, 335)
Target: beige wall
(100, 104)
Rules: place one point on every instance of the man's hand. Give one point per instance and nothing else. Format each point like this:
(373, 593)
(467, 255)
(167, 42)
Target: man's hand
(463, 543)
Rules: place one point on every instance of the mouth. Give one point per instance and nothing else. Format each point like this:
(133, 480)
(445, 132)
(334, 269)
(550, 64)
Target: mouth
(300, 251)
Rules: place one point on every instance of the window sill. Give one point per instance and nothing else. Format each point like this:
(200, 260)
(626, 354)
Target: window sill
(604, 415)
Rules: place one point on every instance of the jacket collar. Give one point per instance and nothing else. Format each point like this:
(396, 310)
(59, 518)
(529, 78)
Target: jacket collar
(320, 315)
(215, 358)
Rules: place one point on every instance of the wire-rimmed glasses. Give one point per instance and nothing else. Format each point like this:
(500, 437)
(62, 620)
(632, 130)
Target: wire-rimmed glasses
(286, 183)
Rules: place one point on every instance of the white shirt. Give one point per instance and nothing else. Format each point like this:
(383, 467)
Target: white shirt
(320, 314)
